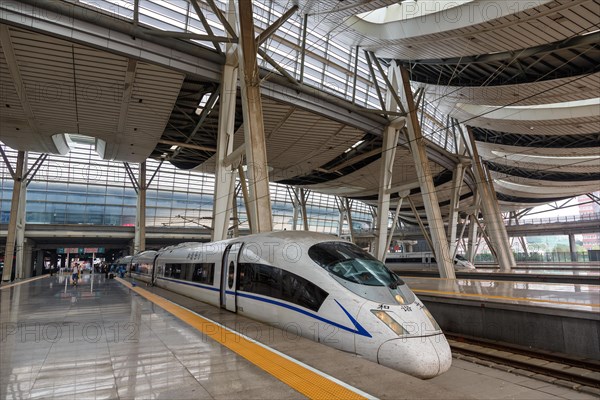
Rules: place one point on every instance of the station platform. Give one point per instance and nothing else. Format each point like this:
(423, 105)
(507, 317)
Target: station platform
(111, 339)
(562, 318)
(549, 274)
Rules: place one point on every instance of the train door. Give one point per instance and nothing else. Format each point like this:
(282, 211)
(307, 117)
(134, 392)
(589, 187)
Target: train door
(229, 277)
(154, 269)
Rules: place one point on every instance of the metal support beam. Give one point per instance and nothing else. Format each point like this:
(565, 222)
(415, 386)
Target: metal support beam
(394, 225)
(234, 209)
(460, 239)
(355, 75)
(205, 24)
(154, 173)
(191, 35)
(345, 214)
(390, 143)
(303, 46)
(136, 12)
(259, 202)
(489, 204)
(12, 222)
(457, 181)
(349, 218)
(246, 196)
(187, 145)
(264, 35)
(35, 168)
(299, 198)
(522, 240)
(132, 177)
(473, 235)
(7, 163)
(392, 86)
(295, 204)
(428, 191)
(224, 173)
(210, 103)
(278, 67)
(139, 243)
(303, 198)
(421, 224)
(484, 234)
(375, 83)
(230, 31)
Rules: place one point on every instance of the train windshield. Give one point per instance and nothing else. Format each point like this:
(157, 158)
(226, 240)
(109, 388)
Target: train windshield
(351, 263)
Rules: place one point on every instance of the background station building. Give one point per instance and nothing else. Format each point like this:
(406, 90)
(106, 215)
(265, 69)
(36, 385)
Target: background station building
(456, 142)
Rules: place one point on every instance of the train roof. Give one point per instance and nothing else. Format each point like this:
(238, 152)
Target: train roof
(308, 238)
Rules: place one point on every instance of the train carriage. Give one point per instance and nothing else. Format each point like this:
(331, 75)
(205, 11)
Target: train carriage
(319, 286)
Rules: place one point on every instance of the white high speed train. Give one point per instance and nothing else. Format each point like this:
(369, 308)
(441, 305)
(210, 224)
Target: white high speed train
(329, 290)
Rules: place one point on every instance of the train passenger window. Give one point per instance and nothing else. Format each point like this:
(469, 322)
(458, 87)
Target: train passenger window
(350, 262)
(298, 290)
(274, 282)
(173, 271)
(203, 273)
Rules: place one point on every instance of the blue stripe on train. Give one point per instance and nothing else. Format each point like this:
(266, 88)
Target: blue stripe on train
(358, 328)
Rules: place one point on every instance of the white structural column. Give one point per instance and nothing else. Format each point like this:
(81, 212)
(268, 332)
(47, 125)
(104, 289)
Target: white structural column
(388, 155)
(259, 202)
(303, 199)
(430, 199)
(496, 229)
(345, 214)
(457, 180)
(139, 241)
(12, 222)
(224, 177)
(472, 233)
(299, 198)
(20, 251)
(296, 204)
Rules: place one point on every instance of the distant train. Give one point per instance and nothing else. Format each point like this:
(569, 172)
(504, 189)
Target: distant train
(330, 290)
(397, 261)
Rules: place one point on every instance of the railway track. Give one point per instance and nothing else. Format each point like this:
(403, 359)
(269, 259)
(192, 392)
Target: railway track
(576, 373)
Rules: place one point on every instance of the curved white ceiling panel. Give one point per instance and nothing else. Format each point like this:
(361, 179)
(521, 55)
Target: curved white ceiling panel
(480, 27)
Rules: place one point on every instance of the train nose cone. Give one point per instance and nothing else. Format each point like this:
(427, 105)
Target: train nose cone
(422, 357)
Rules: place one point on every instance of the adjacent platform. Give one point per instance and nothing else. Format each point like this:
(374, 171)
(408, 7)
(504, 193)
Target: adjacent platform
(552, 274)
(105, 339)
(563, 318)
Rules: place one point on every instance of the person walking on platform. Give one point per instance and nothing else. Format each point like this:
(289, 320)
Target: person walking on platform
(75, 275)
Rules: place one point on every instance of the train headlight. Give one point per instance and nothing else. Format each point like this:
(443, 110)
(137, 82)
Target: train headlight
(433, 321)
(390, 322)
(399, 299)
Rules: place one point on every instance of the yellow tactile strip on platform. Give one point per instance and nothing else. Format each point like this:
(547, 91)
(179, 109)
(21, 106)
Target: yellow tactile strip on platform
(306, 381)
